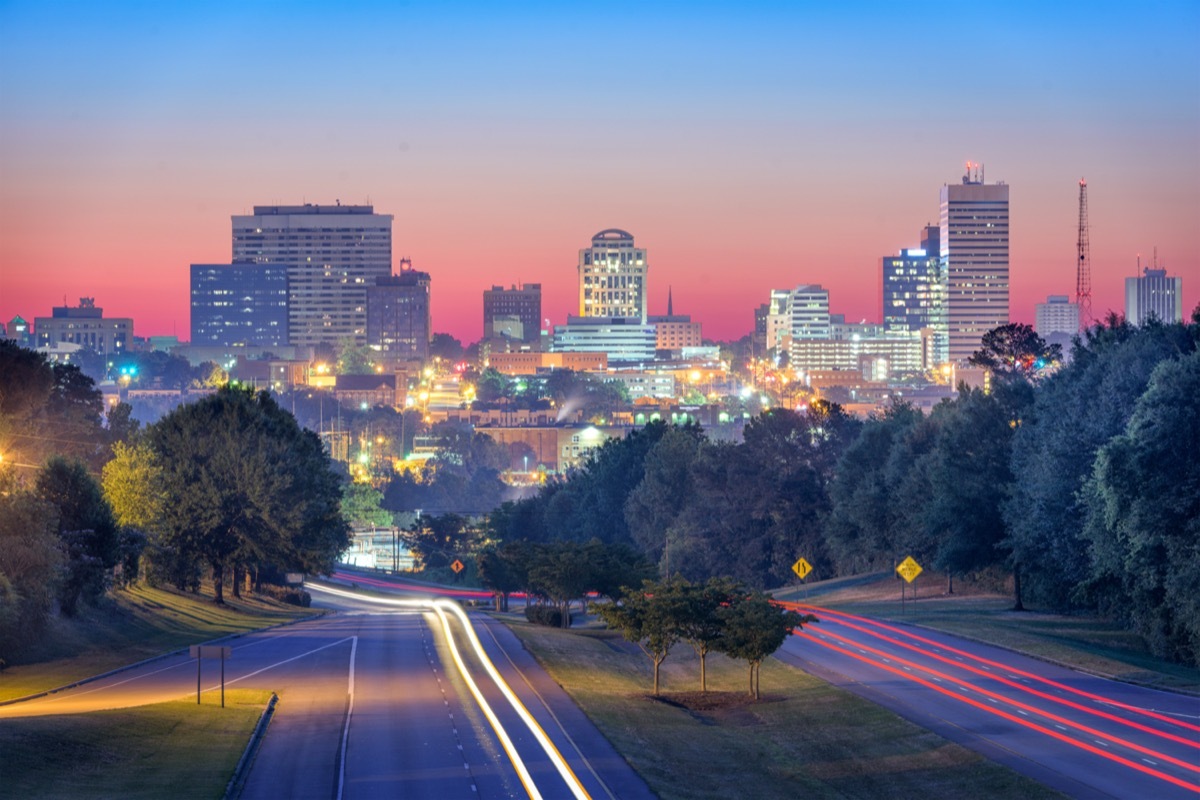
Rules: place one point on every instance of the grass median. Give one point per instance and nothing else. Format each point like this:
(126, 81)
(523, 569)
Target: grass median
(805, 738)
(178, 750)
(131, 625)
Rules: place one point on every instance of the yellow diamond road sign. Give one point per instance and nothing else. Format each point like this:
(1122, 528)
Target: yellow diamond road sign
(909, 569)
(802, 568)
(457, 566)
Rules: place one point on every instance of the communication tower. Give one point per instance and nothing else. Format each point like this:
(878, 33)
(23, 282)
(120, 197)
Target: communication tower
(1083, 269)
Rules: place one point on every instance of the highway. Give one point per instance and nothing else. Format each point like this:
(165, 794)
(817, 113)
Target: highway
(374, 702)
(1086, 736)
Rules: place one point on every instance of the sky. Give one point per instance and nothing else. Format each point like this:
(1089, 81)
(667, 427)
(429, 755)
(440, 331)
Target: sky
(746, 146)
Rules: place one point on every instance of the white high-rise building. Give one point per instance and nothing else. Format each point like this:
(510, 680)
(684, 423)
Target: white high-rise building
(808, 308)
(1057, 315)
(612, 277)
(1153, 295)
(974, 250)
(332, 253)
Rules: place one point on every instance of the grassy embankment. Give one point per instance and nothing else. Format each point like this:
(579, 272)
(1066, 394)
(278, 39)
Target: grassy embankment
(805, 738)
(132, 625)
(981, 613)
(177, 750)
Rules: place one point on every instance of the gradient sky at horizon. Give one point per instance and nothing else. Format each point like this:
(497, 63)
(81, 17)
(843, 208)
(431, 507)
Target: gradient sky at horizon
(747, 147)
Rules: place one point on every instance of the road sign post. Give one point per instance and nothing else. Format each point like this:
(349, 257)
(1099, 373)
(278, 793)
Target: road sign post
(909, 570)
(203, 651)
(802, 568)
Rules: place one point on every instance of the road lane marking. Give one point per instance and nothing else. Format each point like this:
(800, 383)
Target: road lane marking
(349, 713)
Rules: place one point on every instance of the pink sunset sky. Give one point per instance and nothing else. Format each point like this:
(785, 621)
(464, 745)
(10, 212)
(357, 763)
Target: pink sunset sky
(745, 147)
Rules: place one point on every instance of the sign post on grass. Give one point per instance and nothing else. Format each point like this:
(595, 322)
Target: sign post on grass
(203, 651)
(909, 570)
(802, 568)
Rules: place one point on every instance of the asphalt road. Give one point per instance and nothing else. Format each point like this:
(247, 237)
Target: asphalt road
(373, 705)
(1085, 736)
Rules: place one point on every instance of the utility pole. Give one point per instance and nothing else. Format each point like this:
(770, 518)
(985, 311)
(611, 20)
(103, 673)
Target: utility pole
(1083, 270)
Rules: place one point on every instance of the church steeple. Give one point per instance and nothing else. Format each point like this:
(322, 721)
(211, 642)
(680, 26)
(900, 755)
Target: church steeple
(670, 305)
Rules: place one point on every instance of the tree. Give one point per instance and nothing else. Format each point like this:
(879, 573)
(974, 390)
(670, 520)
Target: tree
(1015, 351)
(504, 570)
(30, 566)
(354, 359)
(861, 527)
(491, 386)
(86, 529)
(445, 347)
(360, 507)
(437, 539)
(1143, 506)
(641, 620)
(700, 619)
(244, 486)
(1076, 412)
(560, 572)
(754, 628)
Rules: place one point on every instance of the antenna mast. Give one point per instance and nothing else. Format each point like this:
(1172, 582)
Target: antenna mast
(1083, 269)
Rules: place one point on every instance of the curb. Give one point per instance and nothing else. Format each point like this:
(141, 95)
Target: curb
(234, 788)
(143, 662)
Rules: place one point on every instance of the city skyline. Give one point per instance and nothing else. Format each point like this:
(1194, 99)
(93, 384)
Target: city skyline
(745, 149)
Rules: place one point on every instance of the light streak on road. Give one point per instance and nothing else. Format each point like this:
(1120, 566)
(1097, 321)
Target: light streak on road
(1019, 674)
(961, 664)
(1028, 708)
(1005, 715)
(441, 607)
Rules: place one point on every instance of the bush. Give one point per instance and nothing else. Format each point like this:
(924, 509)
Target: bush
(546, 615)
(292, 595)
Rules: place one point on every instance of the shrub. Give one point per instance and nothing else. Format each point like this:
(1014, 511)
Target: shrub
(292, 595)
(551, 616)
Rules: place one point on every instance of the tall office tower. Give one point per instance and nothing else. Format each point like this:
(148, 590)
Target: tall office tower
(332, 254)
(612, 277)
(1153, 295)
(520, 305)
(398, 317)
(86, 326)
(809, 312)
(974, 253)
(914, 292)
(239, 304)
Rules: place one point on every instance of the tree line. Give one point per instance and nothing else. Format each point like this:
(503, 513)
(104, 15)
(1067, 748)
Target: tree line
(1078, 480)
(224, 487)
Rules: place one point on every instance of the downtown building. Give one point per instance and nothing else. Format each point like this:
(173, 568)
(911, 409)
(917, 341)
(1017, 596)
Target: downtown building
(514, 314)
(82, 327)
(1153, 295)
(1057, 320)
(973, 240)
(239, 305)
(332, 255)
(399, 323)
(612, 277)
(914, 294)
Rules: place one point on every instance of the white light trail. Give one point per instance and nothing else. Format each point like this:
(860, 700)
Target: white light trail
(441, 606)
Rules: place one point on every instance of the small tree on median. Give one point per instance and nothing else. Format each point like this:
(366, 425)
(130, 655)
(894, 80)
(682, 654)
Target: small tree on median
(755, 627)
(699, 617)
(644, 619)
